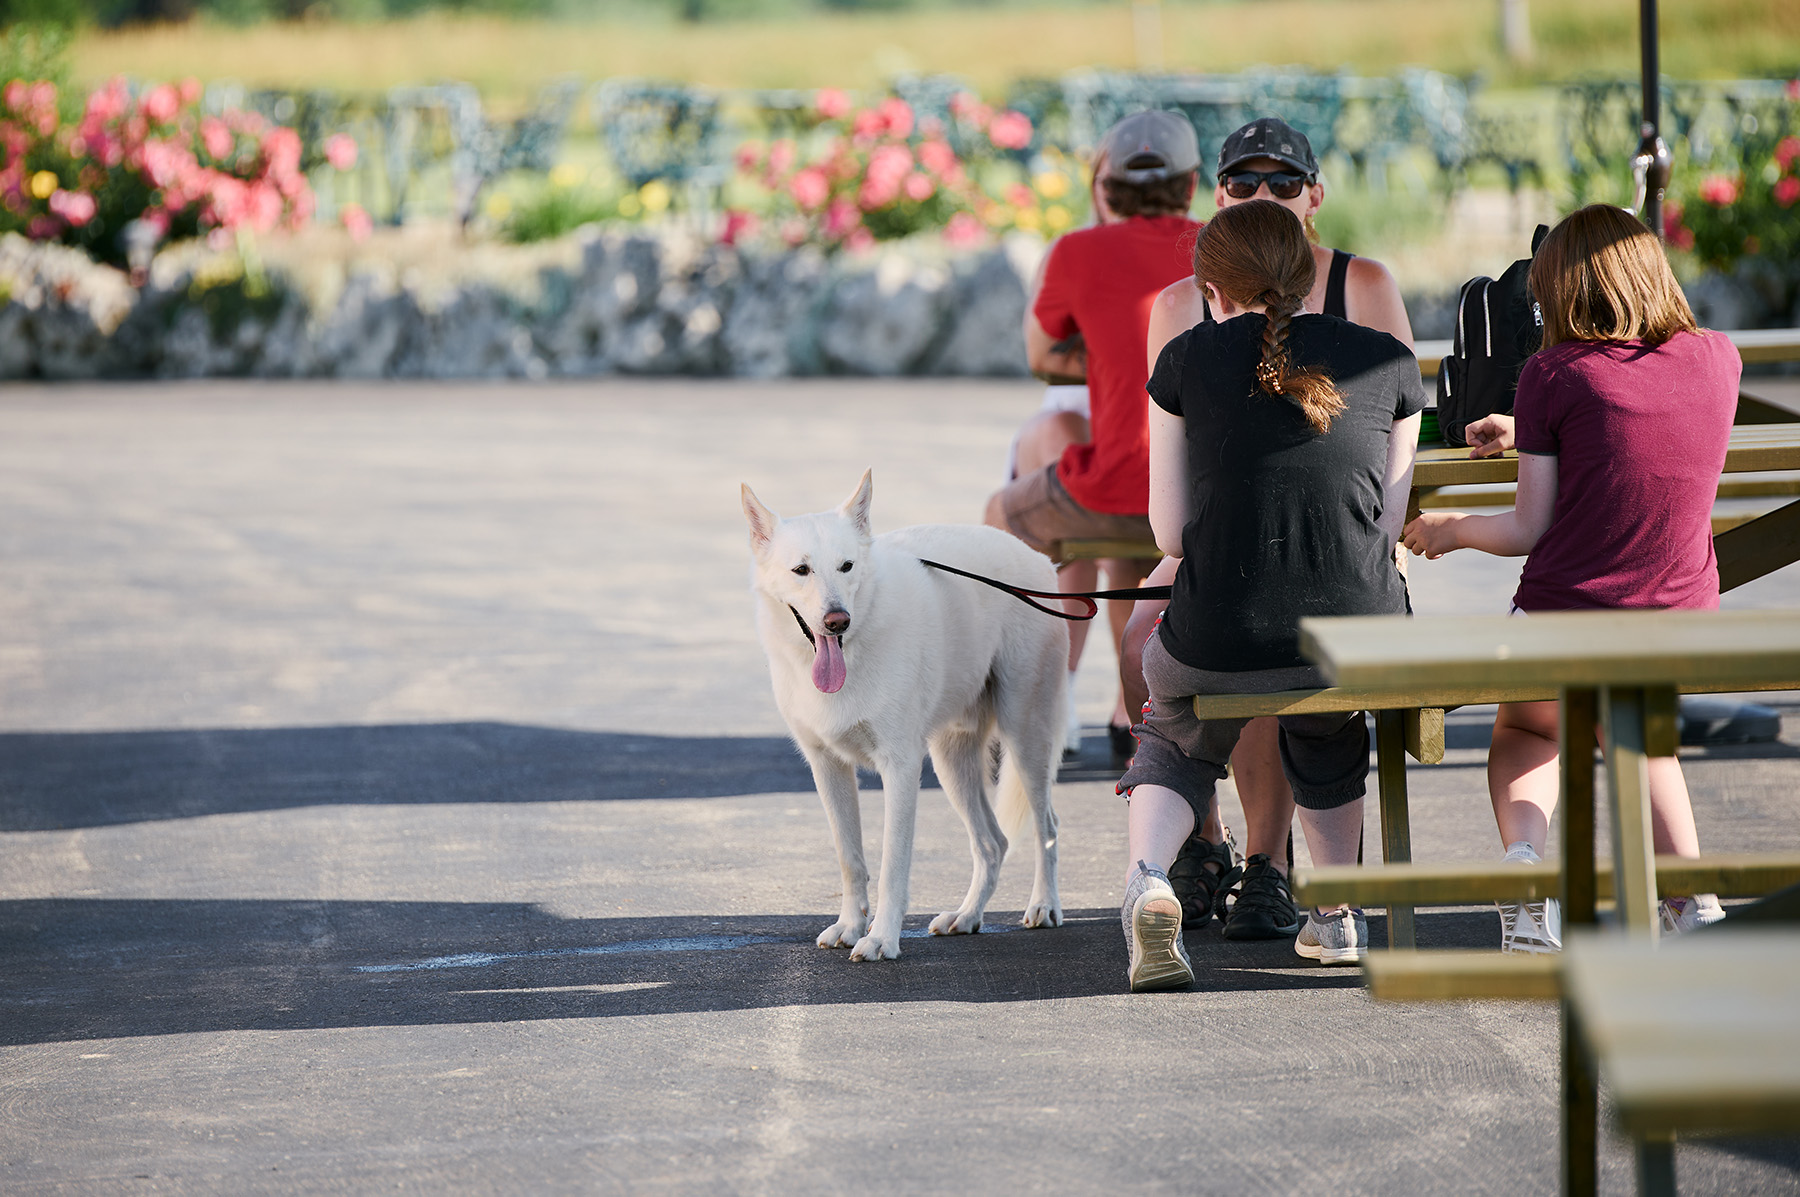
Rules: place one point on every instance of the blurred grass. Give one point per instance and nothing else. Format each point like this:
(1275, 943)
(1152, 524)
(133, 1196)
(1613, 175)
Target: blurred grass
(992, 45)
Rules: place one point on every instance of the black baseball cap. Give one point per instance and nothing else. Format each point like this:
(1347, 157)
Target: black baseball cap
(1269, 137)
(1147, 147)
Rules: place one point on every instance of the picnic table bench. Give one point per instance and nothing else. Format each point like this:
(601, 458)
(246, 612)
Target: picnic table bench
(1616, 669)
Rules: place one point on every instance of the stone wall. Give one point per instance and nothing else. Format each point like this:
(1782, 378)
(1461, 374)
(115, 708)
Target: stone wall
(608, 301)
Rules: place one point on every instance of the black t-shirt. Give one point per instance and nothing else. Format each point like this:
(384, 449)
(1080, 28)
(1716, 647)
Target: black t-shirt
(1284, 518)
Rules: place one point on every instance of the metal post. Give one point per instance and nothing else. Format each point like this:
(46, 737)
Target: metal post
(1651, 165)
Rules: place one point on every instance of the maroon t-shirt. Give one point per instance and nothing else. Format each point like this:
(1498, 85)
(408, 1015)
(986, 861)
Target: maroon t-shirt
(1639, 437)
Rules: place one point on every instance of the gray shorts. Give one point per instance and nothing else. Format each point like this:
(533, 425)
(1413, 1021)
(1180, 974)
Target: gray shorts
(1040, 511)
(1325, 757)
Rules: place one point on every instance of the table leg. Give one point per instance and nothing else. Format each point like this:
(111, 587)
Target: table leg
(1623, 709)
(1577, 806)
(1580, 1111)
(1656, 1167)
(1396, 825)
(1580, 1088)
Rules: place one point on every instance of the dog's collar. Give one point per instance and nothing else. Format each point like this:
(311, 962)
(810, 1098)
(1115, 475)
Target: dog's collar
(804, 630)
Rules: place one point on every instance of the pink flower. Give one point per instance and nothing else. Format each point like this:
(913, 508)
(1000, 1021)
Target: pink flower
(14, 95)
(938, 157)
(867, 125)
(76, 207)
(781, 156)
(262, 207)
(831, 103)
(356, 222)
(889, 164)
(1786, 150)
(738, 225)
(1010, 131)
(1787, 190)
(161, 103)
(281, 149)
(877, 193)
(840, 218)
(860, 240)
(748, 157)
(108, 103)
(919, 187)
(1020, 196)
(340, 151)
(216, 136)
(1719, 190)
(43, 227)
(190, 90)
(810, 188)
(963, 230)
(897, 115)
(1793, 89)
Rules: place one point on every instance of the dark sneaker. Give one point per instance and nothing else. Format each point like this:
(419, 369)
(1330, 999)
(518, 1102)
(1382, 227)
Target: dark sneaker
(1263, 907)
(1203, 869)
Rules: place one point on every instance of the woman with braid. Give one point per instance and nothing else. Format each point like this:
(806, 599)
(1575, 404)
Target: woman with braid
(1281, 454)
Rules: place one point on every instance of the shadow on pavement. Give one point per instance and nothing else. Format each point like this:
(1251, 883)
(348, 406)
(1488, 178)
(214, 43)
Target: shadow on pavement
(99, 969)
(52, 781)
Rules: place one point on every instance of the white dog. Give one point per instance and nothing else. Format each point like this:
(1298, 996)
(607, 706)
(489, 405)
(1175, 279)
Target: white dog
(875, 657)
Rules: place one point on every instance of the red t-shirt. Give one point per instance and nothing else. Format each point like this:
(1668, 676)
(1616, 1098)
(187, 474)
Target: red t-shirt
(1102, 281)
(1639, 436)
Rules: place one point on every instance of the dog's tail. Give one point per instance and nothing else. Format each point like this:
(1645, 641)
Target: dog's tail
(1012, 805)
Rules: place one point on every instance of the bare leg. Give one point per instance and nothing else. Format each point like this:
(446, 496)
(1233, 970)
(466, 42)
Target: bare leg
(1044, 436)
(1138, 627)
(1075, 576)
(1159, 821)
(1522, 773)
(1333, 836)
(1672, 828)
(1123, 573)
(1263, 789)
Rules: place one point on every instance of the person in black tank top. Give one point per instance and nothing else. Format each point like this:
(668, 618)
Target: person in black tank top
(1266, 159)
(1282, 492)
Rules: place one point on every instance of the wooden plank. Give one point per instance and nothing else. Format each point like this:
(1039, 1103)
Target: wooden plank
(1697, 1037)
(1622, 711)
(1752, 448)
(1758, 547)
(1092, 550)
(1459, 973)
(1735, 875)
(1387, 698)
(1729, 649)
(1767, 344)
(1424, 734)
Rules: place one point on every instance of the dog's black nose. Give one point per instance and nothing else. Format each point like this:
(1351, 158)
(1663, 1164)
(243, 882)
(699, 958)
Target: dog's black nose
(837, 622)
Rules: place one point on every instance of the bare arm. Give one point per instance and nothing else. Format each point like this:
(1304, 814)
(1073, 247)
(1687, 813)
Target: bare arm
(1372, 299)
(1179, 307)
(1396, 481)
(1045, 360)
(1510, 534)
(1169, 488)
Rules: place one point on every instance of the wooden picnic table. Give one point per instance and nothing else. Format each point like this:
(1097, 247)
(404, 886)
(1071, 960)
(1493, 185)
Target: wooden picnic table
(1753, 345)
(1615, 669)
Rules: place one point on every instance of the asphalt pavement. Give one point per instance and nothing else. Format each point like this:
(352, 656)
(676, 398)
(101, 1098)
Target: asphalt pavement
(392, 799)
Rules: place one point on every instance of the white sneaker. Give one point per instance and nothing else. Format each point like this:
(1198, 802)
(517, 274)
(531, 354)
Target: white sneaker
(1529, 926)
(1151, 917)
(1681, 915)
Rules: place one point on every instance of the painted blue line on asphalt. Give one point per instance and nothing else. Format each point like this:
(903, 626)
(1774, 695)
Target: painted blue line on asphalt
(687, 943)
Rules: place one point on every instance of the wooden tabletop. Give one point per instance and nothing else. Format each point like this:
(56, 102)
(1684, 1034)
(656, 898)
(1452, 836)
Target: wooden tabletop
(1579, 648)
(1752, 447)
(1753, 345)
(1701, 1035)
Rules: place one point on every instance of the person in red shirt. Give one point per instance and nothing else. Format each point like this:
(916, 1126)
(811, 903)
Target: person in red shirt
(1621, 420)
(1102, 282)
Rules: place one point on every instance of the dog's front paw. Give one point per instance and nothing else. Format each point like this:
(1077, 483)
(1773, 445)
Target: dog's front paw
(956, 922)
(1042, 914)
(842, 934)
(876, 947)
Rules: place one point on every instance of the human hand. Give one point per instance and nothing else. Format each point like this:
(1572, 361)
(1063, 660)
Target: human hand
(1433, 533)
(1489, 436)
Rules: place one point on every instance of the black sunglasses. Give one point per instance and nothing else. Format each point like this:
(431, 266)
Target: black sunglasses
(1283, 184)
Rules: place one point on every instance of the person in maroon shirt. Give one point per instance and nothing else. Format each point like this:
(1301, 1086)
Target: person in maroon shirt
(1621, 421)
(1102, 282)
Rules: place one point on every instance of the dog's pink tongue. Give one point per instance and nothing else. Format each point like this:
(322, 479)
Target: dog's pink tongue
(828, 664)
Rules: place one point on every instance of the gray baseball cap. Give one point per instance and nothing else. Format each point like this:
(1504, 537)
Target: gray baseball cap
(1147, 147)
(1269, 137)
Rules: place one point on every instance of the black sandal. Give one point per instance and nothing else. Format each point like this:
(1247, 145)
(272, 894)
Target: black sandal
(1197, 886)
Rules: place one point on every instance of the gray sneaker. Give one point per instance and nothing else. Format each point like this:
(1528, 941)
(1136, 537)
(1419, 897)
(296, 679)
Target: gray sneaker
(1151, 917)
(1341, 937)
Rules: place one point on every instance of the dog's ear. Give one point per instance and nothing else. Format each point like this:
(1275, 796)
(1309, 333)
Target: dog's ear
(762, 520)
(856, 507)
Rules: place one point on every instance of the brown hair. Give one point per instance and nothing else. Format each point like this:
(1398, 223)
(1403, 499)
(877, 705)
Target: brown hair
(1601, 276)
(1165, 197)
(1256, 253)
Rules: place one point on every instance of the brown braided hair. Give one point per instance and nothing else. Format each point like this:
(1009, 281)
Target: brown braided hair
(1257, 254)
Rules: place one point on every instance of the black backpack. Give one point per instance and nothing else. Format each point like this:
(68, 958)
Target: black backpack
(1498, 326)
